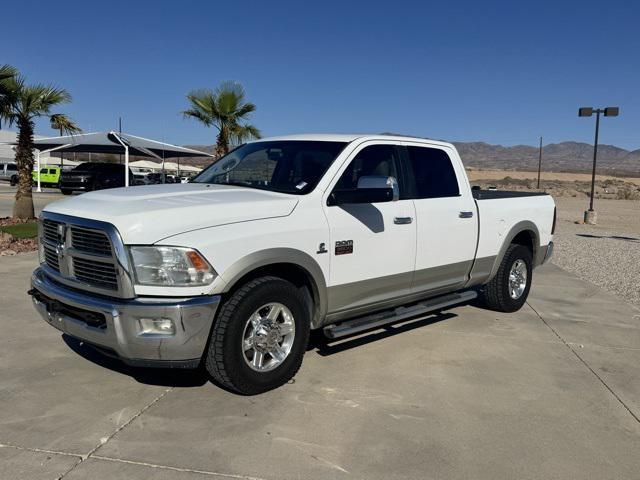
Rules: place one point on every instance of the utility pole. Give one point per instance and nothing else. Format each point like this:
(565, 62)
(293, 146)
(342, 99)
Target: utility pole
(590, 216)
(539, 162)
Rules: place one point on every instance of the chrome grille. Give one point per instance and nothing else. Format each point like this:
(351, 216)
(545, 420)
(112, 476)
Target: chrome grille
(51, 257)
(50, 230)
(96, 273)
(90, 241)
(85, 254)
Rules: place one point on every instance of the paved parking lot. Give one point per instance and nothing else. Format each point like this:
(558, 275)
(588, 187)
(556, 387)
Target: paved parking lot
(8, 194)
(552, 391)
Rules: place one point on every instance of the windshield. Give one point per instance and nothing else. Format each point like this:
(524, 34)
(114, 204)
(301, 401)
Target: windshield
(290, 166)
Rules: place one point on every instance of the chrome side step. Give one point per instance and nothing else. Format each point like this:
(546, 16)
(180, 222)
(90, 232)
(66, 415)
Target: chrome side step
(356, 325)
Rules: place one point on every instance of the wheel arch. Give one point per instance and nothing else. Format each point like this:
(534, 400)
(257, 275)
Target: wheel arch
(293, 265)
(523, 233)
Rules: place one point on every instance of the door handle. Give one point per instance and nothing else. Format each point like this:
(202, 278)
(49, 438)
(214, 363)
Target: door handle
(402, 220)
(465, 214)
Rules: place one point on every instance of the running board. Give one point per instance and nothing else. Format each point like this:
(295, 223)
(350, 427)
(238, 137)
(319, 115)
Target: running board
(357, 325)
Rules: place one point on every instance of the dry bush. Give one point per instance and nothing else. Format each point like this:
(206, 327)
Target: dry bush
(628, 193)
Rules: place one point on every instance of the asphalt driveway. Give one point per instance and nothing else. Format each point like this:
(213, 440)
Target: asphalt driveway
(552, 391)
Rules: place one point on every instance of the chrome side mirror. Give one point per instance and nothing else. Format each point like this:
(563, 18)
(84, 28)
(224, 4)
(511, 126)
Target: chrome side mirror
(380, 182)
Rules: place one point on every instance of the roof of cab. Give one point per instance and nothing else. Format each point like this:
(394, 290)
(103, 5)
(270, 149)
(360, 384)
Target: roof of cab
(342, 137)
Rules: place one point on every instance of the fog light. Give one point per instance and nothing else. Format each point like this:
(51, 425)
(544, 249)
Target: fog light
(155, 326)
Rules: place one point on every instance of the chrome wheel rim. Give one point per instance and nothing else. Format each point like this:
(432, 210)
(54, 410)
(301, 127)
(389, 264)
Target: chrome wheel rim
(268, 337)
(517, 279)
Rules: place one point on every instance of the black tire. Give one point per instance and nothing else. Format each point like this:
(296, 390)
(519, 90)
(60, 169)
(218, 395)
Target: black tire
(66, 192)
(495, 294)
(13, 181)
(224, 357)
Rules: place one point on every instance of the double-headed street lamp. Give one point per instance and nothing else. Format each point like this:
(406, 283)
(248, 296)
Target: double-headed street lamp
(590, 215)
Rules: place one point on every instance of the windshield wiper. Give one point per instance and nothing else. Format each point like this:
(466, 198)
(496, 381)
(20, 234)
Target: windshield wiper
(238, 183)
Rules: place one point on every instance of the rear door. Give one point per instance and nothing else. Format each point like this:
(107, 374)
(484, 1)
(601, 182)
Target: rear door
(447, 224)
(372, 245)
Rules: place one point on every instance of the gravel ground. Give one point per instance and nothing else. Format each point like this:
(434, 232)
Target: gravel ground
(607, 254)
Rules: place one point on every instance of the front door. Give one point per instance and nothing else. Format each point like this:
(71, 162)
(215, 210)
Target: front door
(372, 245)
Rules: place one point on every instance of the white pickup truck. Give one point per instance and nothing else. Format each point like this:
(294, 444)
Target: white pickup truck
(343, 233)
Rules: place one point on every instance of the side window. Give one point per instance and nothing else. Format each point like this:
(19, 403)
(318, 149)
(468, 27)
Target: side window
(373, 160)
(433, 173)
(12, 167)
(45, 171)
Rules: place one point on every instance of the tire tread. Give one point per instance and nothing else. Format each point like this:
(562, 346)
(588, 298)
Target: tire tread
(494, 294)
(215, 358)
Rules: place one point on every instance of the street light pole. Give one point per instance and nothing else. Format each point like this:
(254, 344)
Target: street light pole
(590, 215)
(595, 157)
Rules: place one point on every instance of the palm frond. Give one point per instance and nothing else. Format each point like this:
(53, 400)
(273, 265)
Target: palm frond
(241, 133)
(245, 109)
(61, 122)
(230, 86)
(198, 115)
(203, 106)
(7, 71)
(41, 98)
(227, 104)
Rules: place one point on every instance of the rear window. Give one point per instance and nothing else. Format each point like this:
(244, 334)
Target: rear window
(433, 173)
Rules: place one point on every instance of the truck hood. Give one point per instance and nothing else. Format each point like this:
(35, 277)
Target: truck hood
(148, 214)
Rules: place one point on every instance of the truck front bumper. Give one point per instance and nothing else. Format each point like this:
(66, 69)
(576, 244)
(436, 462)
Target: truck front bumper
(119, 327)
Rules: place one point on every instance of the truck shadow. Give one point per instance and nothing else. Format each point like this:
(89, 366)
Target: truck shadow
(164, 377)
(167, 377)
(325, 346)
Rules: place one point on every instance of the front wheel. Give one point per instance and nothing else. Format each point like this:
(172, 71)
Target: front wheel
(509, 288)
(259, 336)
(13, 181)
(66, 192)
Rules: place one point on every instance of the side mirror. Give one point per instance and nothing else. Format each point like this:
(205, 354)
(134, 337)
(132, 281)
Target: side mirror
(371, 189)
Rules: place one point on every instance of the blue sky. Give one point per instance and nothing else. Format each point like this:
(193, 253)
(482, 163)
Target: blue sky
(501, 72)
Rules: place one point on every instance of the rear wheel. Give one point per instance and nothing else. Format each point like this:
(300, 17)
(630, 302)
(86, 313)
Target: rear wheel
(259, 336)
(13, 181)
(509, 288)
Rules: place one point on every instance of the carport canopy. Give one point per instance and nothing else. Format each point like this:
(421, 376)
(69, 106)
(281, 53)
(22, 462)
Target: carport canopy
(113, 142)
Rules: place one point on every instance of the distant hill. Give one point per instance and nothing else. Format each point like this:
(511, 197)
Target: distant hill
(556, 157)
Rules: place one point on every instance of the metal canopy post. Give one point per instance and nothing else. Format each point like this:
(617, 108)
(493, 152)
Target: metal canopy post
(126, 157)
(39, 189)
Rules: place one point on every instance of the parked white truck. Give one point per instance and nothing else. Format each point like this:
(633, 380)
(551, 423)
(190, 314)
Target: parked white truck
(343, 233)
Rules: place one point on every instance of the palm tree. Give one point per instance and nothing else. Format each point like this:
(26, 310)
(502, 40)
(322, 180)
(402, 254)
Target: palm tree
(22, 104)
(225, 109)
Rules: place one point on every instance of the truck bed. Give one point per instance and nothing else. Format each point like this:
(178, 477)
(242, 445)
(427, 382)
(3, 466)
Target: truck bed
(498, 194)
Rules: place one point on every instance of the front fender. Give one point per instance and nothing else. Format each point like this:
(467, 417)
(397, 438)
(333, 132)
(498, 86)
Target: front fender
(271, 256)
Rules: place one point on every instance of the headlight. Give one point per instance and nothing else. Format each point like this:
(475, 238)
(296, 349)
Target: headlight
(170, 266)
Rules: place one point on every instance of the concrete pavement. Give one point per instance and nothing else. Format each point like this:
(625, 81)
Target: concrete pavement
(8, 194)
(552, 391)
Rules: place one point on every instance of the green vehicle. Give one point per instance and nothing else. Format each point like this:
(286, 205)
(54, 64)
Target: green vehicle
(49, 176)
